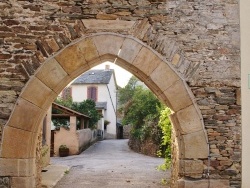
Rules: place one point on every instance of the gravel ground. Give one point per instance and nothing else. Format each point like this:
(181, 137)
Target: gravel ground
(111, 164)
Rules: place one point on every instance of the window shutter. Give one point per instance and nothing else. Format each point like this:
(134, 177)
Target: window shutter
(89, 93)
(92, 93)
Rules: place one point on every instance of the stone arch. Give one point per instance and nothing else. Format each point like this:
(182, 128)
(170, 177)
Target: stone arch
(20, 133)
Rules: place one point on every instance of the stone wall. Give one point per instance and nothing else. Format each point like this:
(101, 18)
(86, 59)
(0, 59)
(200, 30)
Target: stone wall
(199, 38)
(221, 111)
(126, 131)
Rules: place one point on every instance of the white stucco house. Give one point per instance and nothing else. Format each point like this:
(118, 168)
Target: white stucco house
(101, 86)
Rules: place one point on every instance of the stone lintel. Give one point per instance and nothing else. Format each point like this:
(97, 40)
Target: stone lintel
(108, 24)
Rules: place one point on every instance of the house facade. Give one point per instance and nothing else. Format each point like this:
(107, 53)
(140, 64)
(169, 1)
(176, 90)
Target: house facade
(100, 86)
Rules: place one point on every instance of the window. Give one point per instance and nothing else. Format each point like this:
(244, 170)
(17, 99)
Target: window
(92, 93)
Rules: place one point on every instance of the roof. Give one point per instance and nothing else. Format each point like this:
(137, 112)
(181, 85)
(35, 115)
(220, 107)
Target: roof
(101, 105)
(66, 111)
(96, 76)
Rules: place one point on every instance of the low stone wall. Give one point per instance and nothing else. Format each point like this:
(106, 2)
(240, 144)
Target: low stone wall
(85, 138)
(126, 131)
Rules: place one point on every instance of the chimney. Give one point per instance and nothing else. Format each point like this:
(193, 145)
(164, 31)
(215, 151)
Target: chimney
(107, 67)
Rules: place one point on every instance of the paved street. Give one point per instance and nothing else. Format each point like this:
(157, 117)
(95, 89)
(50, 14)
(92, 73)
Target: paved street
(111, 164)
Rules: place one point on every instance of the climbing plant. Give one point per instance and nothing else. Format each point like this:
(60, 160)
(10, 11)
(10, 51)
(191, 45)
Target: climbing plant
(165, 125)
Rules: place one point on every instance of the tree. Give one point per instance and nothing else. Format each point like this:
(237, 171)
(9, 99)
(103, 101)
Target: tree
(126, 93)
(143, 104)
(87, 107)
(148, 118)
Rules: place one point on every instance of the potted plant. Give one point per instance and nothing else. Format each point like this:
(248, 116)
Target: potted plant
(63, 151)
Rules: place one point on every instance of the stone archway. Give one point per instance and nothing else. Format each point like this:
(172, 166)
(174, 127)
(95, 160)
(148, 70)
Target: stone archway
(20, 133)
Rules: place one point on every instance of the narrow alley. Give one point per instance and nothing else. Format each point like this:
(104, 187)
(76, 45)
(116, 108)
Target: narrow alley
(111, 164)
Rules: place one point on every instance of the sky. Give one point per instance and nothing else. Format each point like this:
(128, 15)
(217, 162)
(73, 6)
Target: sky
(122, 76)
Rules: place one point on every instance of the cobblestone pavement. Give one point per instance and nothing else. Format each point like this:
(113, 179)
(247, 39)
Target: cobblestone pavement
(111, 164)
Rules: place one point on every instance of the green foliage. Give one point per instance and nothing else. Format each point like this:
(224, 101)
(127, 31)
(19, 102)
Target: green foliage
(87, 107)
(148, 117)
(165, 125)
(126, 93)
(143, 104)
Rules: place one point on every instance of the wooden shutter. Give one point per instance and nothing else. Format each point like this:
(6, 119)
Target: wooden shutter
(92, 93)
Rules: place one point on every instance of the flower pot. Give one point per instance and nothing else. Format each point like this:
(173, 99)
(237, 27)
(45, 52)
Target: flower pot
(63, 152)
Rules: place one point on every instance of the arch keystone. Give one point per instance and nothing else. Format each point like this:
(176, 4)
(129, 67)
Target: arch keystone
(130, 49)
(108, 44)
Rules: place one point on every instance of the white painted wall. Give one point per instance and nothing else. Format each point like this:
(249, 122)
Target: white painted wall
(245, 90)
(105, 93)
(111, 108)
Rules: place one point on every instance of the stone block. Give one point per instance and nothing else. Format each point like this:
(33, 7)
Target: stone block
(18, 182)
(88, 49)
(195, 145)
(191, 168)
(165, 100)
(108, 24)
(102, 16)
(141, 28)
(152, 86)
(38, 93)
(212, 183)
(176, 59)
(163, 76)
(17, 167)
(178, 96)
(53, 75)
(17, 143)
(25, 116)
(147, 61)
(108, 44)
(107, 57)
(71, 59)
(189, 120)
(130, 49)
(238, 96)
(53, 45)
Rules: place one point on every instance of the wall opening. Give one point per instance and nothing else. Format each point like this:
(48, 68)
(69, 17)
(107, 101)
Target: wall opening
(20, 134)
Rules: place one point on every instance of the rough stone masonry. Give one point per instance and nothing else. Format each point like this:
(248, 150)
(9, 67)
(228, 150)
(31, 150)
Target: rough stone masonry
(200, 38)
